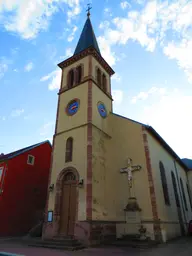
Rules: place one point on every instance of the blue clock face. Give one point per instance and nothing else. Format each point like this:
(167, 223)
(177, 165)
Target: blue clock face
(102, 110)
(72, 107)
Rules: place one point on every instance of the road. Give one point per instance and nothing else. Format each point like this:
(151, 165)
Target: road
(180, 247)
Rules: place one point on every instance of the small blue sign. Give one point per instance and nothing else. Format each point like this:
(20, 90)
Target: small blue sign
(50, 216)
(102, 110)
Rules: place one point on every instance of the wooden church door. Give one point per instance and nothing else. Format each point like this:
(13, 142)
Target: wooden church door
(68, 206)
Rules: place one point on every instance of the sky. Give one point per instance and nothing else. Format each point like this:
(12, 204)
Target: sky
(147, 43)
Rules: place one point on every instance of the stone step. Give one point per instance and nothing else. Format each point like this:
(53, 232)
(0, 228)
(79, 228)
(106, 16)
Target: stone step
(60, 242)
(58, 246)
(134, 244)
(64, 244)
(63, 237)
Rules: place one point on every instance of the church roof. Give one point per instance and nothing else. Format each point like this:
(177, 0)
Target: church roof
(87, 38)
(21, 151)
(187, 162)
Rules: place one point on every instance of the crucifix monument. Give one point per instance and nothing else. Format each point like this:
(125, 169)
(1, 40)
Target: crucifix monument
(129, 170)
(132, 209)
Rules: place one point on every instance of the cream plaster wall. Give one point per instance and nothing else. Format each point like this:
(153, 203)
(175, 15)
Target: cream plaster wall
(110, 187)
(99, 96)
(102, 197)
(66, 122)
(167, 214)
(79, 163)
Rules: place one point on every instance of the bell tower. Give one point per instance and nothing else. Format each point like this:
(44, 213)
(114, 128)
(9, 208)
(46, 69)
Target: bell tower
(84, 104)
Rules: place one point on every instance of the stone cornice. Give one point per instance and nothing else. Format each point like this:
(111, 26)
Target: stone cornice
(88, 51)
(86, 79)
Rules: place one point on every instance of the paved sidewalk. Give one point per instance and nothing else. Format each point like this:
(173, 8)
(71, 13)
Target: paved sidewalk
(180, 247)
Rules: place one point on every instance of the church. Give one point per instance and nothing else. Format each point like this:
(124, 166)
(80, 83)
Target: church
(110, 176)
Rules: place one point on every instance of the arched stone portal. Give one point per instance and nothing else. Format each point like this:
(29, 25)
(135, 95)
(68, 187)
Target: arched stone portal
(66, 202)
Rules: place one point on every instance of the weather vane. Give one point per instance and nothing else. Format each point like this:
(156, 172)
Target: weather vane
(88, 9)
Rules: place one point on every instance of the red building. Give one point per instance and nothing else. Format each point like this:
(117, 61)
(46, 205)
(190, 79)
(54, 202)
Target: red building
(23, 188)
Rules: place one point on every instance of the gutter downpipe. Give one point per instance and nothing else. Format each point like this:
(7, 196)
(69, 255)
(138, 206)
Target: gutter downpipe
(181, 198)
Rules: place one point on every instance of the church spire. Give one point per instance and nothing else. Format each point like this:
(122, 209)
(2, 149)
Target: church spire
(87, 38)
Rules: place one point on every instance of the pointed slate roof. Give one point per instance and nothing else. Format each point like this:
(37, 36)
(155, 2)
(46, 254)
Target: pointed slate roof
(87, 38)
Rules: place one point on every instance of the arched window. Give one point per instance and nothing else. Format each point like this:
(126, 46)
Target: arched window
(104, 83)
(71, 78)
(69, 150)
(175, 189)
(164, 183)
(183, 192)
(99, 77)
(78, 74)
(188, 191)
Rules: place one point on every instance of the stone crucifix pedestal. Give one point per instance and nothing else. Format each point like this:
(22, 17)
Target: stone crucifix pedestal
(132, 209)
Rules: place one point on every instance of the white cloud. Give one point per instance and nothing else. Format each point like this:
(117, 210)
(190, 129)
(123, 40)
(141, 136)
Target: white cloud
(71, 36)
(182, 53)
(27, 18)
(2, 118)
(106, 51)
(29, 67)
(124, 5)
(140, 1)
(117, 96)
(116, 77)
(169, 116)
(74, 11)
(28, 117)
(68, 53)
(167, 23)
(104, 25)
(54, 79)
(107, 11)
(47, 129)
(3, 68)
(17, 112)
(151, 91)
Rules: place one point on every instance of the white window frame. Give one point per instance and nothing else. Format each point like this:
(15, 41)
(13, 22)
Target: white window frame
(1, 172)
(33, 161)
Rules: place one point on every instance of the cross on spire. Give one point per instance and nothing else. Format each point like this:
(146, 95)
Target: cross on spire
(88, 10)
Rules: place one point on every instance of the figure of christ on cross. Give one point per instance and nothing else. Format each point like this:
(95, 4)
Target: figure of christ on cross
(129, 170)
